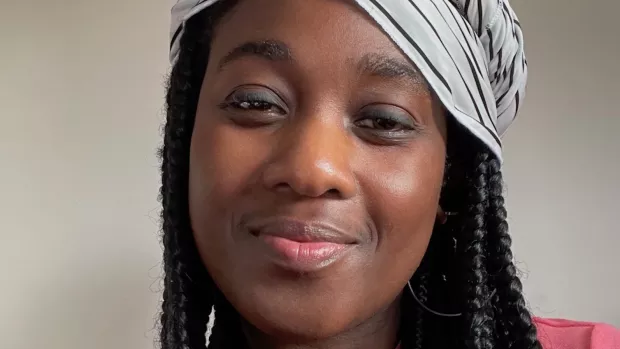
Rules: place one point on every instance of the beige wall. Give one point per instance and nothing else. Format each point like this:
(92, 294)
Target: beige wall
(81, 105)
(563, 160)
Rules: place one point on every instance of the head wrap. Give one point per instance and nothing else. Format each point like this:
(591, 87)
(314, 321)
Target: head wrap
(469, 51)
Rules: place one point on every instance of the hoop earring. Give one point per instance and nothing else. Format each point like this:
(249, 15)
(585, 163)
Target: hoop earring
(429, 309)
(434, 311)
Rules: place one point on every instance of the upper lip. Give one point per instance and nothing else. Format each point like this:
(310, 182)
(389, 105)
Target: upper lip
(301, 231)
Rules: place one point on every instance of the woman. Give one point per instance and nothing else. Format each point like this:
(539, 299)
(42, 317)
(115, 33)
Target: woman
(331, 177)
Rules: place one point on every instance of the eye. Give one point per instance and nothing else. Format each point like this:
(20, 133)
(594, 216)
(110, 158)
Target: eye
(255, 100)
(382, 123)
(386, 120)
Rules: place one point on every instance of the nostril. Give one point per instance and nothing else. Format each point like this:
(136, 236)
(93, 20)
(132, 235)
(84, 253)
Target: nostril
(333, 192)
(282, 186)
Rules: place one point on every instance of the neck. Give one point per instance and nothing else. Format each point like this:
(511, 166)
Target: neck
(378, 332)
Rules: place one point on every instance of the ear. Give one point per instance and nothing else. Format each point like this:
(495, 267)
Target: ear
(442, 218)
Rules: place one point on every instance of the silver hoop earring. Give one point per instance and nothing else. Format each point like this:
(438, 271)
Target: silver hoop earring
(429, 309)
(436, 312)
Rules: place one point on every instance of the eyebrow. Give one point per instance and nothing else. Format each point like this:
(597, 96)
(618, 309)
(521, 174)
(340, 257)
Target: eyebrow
(380, 65)
(374, 64)
(272, 50)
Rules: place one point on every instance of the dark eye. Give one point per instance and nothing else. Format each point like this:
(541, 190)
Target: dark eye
(255, 100)
(382, 124)
(388, 120)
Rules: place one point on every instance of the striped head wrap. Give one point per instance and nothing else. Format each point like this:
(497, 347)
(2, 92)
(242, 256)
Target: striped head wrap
(469, 51)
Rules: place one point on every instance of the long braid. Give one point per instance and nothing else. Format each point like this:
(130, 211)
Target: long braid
(413, 317)
(188, 296)
(474, 266)
(173, 316)
(421, 293)
(514, 320)
(184, 311)
(443, 281)
(227, 332)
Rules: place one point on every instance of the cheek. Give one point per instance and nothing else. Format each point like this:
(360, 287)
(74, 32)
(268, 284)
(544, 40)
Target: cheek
(221, 170)
(404, 195)
(221, 165)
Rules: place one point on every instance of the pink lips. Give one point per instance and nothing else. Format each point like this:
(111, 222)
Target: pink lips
(302, 246)
(303, 252)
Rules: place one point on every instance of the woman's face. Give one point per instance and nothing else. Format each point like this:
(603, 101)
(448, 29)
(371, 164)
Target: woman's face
(317, 160)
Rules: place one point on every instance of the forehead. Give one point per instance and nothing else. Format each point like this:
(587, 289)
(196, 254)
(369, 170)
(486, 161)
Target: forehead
(333, 30)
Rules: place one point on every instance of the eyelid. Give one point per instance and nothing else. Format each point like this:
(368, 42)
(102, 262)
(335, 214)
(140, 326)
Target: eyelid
(273, 95)
(412, 121)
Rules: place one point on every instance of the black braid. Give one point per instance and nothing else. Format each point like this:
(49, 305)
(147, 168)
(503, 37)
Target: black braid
(184, 313)
(482, 261)
(474, 267)
(227, 331)
(514, 323)
(501, 321)
(421, 293)
(412, 332)
(188, 294)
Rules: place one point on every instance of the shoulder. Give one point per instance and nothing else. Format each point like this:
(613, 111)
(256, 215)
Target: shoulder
(567, 334)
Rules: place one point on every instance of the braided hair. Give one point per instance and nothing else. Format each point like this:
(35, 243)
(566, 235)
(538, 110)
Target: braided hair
(468, 267)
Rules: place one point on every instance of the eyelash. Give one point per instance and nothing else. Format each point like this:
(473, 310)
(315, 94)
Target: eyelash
(249, 101)
(374, 115)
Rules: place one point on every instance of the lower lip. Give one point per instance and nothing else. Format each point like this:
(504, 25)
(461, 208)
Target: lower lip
(304, 256)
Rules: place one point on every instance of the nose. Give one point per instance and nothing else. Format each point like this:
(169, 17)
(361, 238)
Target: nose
(312, 159)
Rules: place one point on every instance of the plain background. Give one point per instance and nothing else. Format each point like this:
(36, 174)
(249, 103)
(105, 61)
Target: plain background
(81, 108)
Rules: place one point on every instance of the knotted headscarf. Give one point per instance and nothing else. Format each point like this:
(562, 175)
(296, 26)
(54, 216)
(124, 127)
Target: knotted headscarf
(469, 51)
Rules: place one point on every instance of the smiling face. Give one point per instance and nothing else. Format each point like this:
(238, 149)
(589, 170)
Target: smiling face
(316, 165)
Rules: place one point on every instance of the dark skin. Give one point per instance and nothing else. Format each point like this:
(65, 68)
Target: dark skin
(320, 119)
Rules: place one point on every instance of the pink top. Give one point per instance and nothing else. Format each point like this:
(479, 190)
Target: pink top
(567, 334)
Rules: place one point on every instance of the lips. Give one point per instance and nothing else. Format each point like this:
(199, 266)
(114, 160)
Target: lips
(301, 231)
(302, 245)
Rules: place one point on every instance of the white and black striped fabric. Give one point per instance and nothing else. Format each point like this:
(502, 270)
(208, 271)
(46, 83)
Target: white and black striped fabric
(469, 51)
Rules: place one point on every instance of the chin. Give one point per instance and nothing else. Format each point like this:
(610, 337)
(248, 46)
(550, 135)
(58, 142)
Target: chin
(300, 326)
(287, 315)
